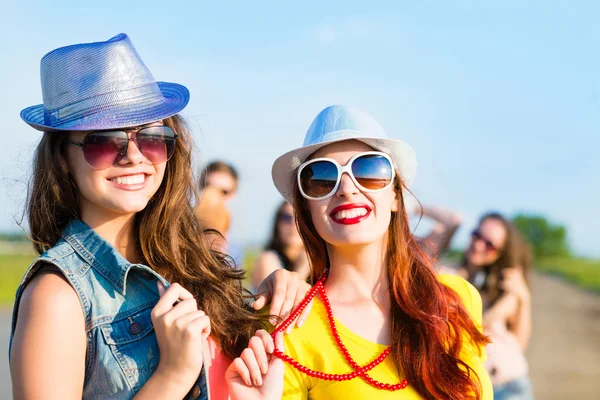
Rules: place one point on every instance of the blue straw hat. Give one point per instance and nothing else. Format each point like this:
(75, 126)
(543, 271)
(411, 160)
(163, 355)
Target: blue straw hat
(102, 85)
(335, 124)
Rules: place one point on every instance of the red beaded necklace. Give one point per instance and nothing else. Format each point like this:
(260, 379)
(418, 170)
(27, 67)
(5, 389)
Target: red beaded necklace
(358, 370)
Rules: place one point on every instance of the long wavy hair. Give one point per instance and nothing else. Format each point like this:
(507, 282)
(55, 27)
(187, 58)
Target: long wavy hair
(170, 239)
(515, 253)
(428, 319)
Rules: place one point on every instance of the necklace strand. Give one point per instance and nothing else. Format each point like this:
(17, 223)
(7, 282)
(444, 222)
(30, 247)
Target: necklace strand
(358, 370)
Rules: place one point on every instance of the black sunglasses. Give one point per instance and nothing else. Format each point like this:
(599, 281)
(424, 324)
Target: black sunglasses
(489, 246)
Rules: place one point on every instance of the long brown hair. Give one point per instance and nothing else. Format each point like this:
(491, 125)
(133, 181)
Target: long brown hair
(428, 319)
(170, 238)
(515, 253)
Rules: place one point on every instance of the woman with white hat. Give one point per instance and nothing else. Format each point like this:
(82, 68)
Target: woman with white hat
(110, 212)
(384, 325)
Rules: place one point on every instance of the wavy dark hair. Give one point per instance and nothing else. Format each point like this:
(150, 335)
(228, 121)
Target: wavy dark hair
(429, 322)
(515, 252)
(170, 239)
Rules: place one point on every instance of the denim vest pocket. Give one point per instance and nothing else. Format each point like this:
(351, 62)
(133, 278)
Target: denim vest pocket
(133, 343)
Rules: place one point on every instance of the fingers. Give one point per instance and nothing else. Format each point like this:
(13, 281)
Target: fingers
(300, 295)
(252, 365)
(174, 293)
(203, 327)
(266, 339)
(180, 309)
(200, 325)
(260, 354)
(278, 297)
(304, 314)
(289, 299)
(265, 290)
(279, 342)
(260, 302)
(239, 366)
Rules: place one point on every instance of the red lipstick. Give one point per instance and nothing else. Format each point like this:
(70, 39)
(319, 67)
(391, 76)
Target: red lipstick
(346, 207)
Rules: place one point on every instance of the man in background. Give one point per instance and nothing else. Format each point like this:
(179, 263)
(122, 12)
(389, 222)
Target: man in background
(222, 178)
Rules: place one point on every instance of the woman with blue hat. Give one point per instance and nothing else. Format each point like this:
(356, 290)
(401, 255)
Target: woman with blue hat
(384, 325)
(110, 213)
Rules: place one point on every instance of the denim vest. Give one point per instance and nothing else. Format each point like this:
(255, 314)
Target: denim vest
(117, 298)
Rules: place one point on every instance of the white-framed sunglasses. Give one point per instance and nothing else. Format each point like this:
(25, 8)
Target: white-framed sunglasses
(370, 171)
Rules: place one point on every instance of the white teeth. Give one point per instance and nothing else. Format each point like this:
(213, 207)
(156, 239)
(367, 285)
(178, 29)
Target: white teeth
(129, 180)
(353, 213)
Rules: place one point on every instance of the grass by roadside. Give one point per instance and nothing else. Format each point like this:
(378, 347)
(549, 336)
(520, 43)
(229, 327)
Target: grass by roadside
(12, 268)
(582, 272)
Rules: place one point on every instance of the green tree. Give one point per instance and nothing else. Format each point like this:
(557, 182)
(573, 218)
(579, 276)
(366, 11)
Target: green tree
(546, 238)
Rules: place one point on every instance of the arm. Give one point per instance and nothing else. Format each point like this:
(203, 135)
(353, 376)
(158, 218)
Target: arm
(50, 332)
(519, 322)
(446, 224)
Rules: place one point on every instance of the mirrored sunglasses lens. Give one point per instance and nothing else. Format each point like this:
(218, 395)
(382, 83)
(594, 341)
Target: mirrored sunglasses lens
(319, 178)
(157, 143)
(372, 171)
(102, 149)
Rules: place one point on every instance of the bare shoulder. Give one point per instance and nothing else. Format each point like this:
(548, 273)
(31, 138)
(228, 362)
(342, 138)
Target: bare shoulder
(268, 258)
(266, 262)
(49, 288)
(49, 300)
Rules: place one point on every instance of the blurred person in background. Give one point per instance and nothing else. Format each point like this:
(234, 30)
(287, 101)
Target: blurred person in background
(284, 249)
(224, 178)
(214, 217)
(497, 262)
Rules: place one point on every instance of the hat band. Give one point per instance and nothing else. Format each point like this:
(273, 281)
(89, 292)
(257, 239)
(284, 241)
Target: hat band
(149, 94)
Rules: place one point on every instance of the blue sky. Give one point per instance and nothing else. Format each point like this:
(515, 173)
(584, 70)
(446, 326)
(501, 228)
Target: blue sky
(499, 99)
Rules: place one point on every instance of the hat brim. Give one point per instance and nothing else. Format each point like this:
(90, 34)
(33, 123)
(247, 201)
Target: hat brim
(176, 97)
(285, 167)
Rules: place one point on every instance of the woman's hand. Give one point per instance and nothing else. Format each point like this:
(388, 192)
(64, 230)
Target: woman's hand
(180, 330)
(514, 282)
(285, 290)
(256, 375)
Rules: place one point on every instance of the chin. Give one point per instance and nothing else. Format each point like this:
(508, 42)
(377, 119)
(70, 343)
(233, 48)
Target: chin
(131, 207)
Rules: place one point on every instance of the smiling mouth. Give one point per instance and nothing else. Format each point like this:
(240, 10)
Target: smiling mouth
(350, 214)
(130, 182)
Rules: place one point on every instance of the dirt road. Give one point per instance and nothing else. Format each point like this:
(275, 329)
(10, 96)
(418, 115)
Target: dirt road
(564, 353)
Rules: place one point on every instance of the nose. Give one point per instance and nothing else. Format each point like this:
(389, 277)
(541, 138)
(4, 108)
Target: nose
(133, 154)
(347, 188)
(478, 244)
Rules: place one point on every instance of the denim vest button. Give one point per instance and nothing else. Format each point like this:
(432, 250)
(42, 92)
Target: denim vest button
(135, 328)
(195, 392)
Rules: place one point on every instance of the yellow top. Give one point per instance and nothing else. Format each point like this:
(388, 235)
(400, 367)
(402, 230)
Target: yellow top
(314, 347)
